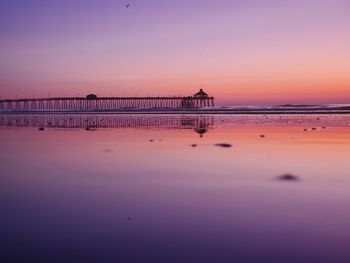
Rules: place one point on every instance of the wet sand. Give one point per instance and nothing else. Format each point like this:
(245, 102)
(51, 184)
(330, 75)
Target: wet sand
(110, 195)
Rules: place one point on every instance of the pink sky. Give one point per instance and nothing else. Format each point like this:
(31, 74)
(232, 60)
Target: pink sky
(241, 52)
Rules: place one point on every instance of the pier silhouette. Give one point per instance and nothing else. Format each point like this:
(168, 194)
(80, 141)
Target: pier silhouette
(94, 103)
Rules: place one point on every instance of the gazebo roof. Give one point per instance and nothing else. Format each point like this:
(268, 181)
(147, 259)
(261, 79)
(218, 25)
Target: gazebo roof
(201, 93)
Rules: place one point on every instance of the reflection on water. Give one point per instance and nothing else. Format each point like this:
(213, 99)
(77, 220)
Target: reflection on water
(136, 190)
(198, 123)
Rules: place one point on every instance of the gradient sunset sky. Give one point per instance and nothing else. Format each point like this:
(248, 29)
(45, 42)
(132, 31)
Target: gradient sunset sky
(241, 52)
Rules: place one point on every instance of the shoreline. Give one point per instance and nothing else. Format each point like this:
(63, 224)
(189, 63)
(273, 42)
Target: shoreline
(251, 111)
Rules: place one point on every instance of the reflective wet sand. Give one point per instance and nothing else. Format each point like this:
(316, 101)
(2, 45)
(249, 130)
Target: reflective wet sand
(134, 189)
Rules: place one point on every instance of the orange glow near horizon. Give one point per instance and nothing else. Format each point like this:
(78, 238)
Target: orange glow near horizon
(240, 53)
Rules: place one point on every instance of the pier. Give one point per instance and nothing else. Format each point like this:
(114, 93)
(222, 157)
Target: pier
(94, 103)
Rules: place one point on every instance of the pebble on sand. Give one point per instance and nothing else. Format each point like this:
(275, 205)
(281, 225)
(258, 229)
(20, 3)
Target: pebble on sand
(305, 129)
(41, 129)
(313, 129)
(151, 140)
(288, 177)
(262, 136)
(194, 145)
(223, 145)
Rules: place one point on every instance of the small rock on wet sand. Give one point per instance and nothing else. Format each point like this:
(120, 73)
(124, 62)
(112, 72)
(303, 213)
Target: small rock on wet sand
(41, 129)
(262, 136)
(194, 145)
(223, 145)
(288, 177)
(151, 140)
(313, 129)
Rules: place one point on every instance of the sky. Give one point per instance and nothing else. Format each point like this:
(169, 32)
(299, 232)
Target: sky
(241, 52)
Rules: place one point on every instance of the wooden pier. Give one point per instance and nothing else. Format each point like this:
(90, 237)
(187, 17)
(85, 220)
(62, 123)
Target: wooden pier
(93, 103)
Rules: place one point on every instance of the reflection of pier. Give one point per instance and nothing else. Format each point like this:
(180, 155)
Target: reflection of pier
(198, 123)
(93, 103)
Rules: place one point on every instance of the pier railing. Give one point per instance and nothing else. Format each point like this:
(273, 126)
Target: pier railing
(102, 103)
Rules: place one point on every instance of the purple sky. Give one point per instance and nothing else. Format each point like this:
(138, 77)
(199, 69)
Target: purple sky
(242, 52)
